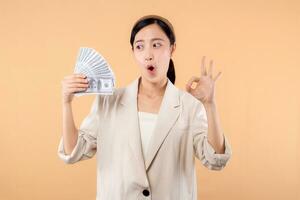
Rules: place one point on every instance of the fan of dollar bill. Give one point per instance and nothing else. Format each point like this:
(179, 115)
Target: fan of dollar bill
(99, 74)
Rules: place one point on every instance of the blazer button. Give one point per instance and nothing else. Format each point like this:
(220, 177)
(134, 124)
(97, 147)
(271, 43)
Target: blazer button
(146, 193)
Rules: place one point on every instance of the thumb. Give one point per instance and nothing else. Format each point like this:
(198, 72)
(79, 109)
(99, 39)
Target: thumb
(188, 88)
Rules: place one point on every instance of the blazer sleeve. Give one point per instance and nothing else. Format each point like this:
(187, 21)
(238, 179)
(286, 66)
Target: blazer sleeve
(203, 150)
(86, 145)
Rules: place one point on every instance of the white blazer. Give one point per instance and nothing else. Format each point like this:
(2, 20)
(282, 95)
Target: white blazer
(168, 171)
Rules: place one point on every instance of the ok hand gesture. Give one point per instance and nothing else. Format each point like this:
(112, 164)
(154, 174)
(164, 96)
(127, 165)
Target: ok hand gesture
(204, 90)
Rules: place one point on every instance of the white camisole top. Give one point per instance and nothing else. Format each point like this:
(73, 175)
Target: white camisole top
(147, 123)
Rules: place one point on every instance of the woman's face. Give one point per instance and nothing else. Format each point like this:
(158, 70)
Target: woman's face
(152, 52)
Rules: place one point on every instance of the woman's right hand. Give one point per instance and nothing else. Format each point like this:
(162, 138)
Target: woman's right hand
(71, 84)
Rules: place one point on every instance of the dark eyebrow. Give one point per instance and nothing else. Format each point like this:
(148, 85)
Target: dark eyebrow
(151, 40)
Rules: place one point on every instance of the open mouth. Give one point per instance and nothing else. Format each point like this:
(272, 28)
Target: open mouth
(150, 68)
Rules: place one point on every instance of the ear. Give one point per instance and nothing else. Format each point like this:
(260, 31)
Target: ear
(173, 48)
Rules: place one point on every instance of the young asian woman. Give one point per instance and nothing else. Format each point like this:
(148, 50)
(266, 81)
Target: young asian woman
(148, 134)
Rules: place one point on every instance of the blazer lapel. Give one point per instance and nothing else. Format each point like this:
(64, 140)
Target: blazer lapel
(167, 116)
(129, 101)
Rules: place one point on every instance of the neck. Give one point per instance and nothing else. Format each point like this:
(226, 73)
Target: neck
(152, 89)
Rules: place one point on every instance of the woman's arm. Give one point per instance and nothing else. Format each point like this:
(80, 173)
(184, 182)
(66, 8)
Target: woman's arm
(71, 84)
(70, 132)
(208, 137)
(215, 133)
(205, 92)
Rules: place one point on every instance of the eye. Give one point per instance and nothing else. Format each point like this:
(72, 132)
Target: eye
(155, 45)
(139, 46)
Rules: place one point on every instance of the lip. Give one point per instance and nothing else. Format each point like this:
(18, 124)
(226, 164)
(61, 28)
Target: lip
(151, 68)
(150, 65)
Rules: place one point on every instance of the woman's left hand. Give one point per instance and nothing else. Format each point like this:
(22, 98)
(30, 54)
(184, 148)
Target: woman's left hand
(204, 90)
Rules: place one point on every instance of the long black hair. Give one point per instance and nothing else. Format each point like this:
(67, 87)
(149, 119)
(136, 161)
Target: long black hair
(167, 28)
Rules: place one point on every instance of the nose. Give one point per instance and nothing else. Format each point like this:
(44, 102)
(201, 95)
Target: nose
(148, 55)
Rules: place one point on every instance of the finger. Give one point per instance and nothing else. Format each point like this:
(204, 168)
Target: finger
(72, 90)
(77, 80)
(203, 69)
(217, 76)
(191, 81)
(75, 85)
(79, 75)
(188, 88)
(210, 71)
(78, 85)
(75, 76)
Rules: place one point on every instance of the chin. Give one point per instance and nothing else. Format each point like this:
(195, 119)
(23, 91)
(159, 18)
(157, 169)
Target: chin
(155, 79)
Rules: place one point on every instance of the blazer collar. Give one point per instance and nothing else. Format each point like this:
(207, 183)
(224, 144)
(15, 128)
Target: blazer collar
(167, 116)
(131, 92)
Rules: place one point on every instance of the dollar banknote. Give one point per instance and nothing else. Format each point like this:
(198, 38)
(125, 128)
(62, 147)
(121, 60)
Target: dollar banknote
(101, 79)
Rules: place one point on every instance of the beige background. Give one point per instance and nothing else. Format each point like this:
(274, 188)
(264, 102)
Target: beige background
(255, 44)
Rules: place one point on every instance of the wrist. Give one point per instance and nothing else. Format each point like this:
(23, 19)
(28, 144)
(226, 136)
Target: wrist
(67, 103)
(209, 104)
